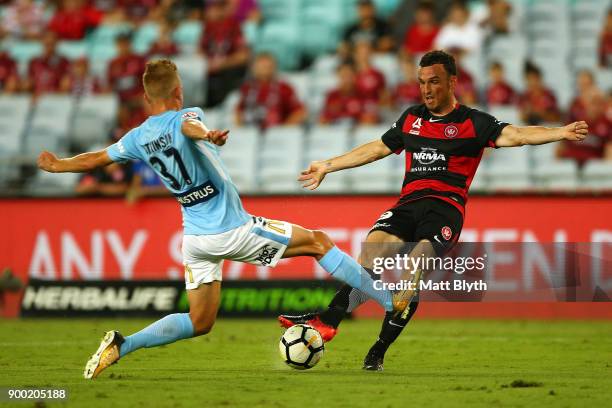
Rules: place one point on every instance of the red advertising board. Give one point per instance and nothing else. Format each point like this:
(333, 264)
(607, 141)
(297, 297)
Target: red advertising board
(101, 239)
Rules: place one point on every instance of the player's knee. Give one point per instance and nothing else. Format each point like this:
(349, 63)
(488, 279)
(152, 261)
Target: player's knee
(322, 243)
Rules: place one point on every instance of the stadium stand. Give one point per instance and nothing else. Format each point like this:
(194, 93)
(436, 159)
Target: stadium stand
(560, 37)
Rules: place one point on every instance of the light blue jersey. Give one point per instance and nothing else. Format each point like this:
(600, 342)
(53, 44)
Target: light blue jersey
(191, 170)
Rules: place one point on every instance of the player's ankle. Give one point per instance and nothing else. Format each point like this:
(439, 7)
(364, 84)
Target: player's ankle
(333, 316)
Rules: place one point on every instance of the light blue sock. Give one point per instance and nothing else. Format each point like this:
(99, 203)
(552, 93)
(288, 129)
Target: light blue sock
(171, 328)
(346, 269)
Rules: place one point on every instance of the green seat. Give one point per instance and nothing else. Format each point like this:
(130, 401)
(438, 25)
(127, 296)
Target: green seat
(187, 35)
(282, 40)
(281, 10)
(144, 37)
(72, 49)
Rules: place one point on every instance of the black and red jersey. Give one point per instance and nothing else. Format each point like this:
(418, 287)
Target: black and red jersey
(442, 152)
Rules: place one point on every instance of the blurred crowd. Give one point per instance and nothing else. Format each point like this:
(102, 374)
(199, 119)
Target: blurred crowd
(361, 95)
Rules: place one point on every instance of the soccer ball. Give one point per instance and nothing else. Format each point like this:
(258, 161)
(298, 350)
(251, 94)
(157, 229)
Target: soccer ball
(301, 347)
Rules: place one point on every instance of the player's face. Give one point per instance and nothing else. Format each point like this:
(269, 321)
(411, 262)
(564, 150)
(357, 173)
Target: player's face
(437, 87)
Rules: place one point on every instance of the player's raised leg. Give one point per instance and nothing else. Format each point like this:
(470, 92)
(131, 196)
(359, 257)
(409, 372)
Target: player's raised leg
(337, 263)
(347, 298)
(203, 305)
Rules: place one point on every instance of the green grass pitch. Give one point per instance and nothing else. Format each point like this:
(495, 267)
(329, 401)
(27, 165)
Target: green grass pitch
(434, 363)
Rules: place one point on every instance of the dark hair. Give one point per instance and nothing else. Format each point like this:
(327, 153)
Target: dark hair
(496, 65)
(348, 63)
(426, 6)
(531, 68)
(439, 57)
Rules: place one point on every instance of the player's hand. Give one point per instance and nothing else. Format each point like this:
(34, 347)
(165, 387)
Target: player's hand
(218, 137)
(314, 175)
(47, 161)
(576, 131)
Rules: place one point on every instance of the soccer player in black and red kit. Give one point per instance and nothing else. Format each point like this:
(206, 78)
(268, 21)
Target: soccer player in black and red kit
(443, 142)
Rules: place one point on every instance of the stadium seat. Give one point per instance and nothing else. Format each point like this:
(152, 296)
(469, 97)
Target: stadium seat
(480, 182)
(508, 114)
(281, 39)
(10, 137)
(317, 39)
(215, 119)
(52, 184)
(325, 64)
(510, 51)
(543, 153)
(585, 54)
(50, 125)
(321, 84)
(93, 119)
(281, 10)
(281, 159)
(508, 170)
(365, 134)
(239, 156)
(604, 78)
(99, 57)
(556, 175)
(14, 111)
(385, 8)
(144, 37)
(387, 64)
(300, 81)
(374, 177)
(552, 11)
(22, 52)
(597, 175)
(107, 33)
(187, 36)
(193, 75)
(250, 31)
(592, 11)
(72, 49)
(325, 142)
(229, 107)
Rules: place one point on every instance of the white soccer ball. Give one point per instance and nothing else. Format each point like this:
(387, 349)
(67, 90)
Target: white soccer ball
(301, 347)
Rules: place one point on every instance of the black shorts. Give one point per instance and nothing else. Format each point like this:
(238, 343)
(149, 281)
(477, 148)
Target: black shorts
(425, 218)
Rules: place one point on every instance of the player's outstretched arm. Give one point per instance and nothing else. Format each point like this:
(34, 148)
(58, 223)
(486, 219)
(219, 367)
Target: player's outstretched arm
(48, 161)
(196, 130)
(535, 135)
(366, 153)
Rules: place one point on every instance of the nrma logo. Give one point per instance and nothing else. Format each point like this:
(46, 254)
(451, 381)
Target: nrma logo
(428, 155)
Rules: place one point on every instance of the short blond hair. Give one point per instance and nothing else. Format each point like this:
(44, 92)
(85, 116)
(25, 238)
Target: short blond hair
(161, 77)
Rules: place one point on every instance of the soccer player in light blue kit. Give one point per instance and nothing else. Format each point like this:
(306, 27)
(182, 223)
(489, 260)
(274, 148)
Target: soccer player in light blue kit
(184, 153)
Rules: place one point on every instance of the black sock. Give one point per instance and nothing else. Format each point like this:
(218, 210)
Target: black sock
(336, 311)
(337, 307)
(392, 327)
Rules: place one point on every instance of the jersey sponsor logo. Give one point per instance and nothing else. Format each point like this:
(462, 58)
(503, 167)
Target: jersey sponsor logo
(158, 144)
(447, 233)
(434, 120)
(197, 195)
(451, 131)
(385, 215)
(428, 155)
(428, 159)
(266, 256)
